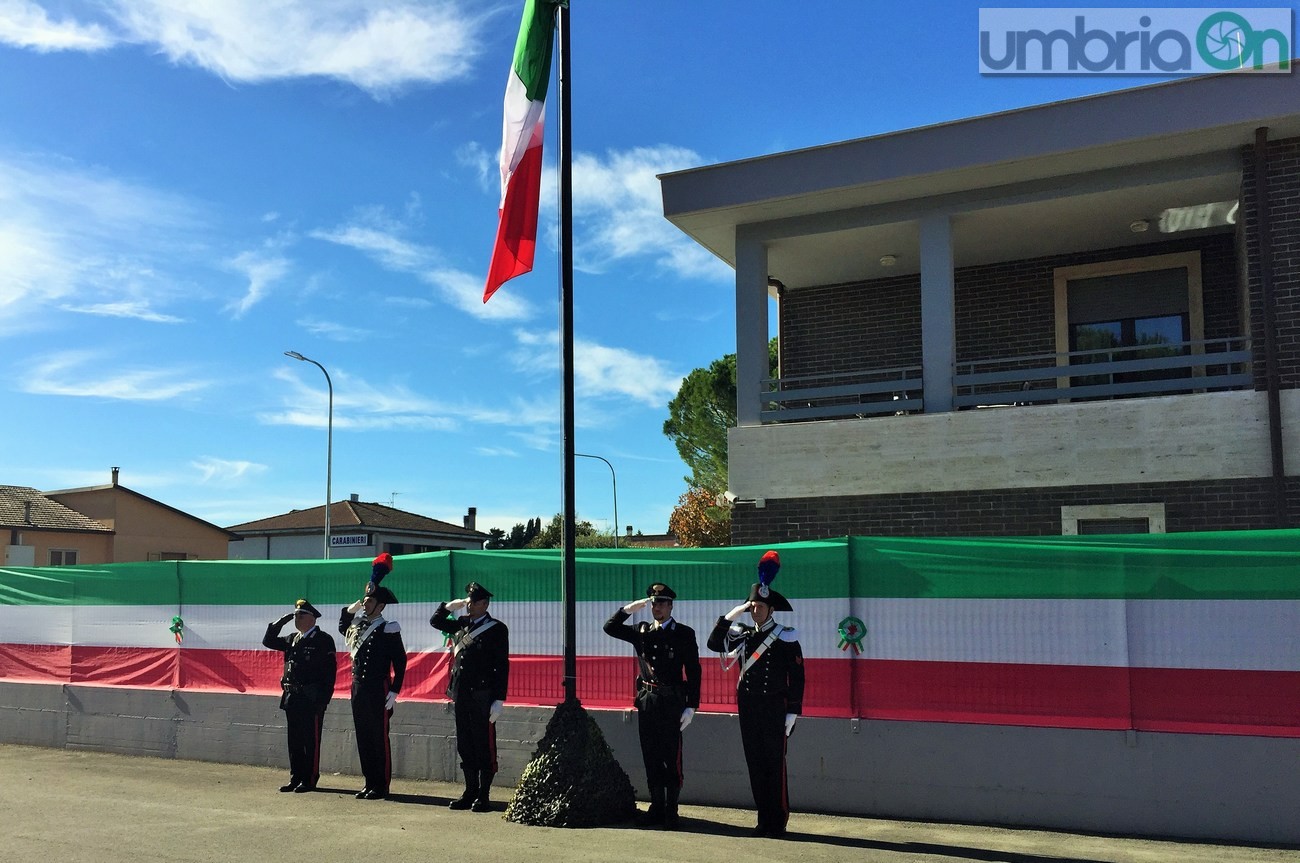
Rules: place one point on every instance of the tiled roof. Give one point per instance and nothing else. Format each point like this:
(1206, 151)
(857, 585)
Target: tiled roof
(352, 513)
(121, 489)
(45, 514)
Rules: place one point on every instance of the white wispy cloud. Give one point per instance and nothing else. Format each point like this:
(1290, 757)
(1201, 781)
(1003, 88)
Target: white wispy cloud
(334, 332)
(618, 213)
(262, 269)
(84, 374)
(125, 309)
(365, 406)
(226, 471)
(28, 25)
(376, 45)
(382, 238)
(383, 245)
(600, 371)
(94, 243)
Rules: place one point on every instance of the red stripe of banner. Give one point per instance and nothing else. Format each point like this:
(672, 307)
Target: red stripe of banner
(1205, 701)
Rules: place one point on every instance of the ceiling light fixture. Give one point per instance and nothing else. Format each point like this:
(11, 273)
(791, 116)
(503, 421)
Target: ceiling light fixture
(888, 260)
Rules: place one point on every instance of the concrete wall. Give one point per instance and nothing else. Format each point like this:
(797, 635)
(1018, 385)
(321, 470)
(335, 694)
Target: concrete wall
(1217, 787)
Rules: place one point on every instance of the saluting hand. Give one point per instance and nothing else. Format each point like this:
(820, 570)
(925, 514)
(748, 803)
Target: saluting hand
(457, 604)
(736, 612)
(283, 620)
(636, 605)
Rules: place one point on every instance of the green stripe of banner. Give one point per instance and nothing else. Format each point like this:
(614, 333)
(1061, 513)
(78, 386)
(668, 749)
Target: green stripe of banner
(533, 48)
(1233, 565)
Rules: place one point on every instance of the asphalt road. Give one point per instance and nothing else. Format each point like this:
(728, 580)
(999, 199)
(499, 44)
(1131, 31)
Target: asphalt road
(73, 806)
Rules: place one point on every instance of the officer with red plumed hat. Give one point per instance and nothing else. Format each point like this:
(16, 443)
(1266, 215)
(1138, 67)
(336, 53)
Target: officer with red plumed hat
(769, 693)
(378, 668)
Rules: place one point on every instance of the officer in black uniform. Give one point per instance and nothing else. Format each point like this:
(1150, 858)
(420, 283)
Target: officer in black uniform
(769, 694)
(667, 695)
(480, 672)
(378, 667)
(307, 686)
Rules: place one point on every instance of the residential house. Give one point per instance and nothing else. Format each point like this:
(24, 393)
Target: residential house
(43, 532)
(1077, 317)
(357, 529)
(143, 528)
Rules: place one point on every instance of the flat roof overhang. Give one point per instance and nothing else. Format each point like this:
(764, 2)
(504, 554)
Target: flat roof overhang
(1052, 178)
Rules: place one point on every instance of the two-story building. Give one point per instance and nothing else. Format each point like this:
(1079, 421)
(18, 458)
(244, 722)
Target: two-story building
(1077, 317)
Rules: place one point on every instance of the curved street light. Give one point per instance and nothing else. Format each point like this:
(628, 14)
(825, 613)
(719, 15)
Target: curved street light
(329, 442)
(615, 481)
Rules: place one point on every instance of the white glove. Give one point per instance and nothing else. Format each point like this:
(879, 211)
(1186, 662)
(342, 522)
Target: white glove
(687, 715)
(494, 712)
(636, 605)
(457, 604)
(392, 699)
(356, 606)
(789, 722)
(736, 612)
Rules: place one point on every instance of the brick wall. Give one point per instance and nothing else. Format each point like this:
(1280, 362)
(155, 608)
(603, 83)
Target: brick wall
(1189, 506)
(1003, 310)
(1284, 216)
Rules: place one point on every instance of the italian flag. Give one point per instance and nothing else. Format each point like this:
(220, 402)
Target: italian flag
(521, 146)
(1192, 633)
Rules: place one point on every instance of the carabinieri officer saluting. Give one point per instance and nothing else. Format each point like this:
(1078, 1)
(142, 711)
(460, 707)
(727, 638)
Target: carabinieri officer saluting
(480, 674)
(769, 694)
(376, 646)
(667, 695)
(307, 685)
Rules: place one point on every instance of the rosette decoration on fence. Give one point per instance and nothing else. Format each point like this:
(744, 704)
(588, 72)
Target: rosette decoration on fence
(1178, 632)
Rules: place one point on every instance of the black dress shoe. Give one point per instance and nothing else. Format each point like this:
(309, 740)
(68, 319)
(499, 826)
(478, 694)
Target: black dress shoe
(363, 794)
(292, 786)
(480, 806)
(372, 794)
(461, 803)
(760, 833)
(303, 789)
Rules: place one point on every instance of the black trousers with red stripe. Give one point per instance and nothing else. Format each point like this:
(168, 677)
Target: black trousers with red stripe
(659, 723)
(476, 737)
(370, 722)
(762, 733)
(304, 725)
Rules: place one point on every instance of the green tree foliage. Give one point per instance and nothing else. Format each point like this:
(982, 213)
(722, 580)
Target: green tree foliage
(519, 537)
(585, 535)
(699, 416)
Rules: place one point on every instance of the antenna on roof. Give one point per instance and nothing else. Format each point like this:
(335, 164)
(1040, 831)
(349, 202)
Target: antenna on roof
(392, 500)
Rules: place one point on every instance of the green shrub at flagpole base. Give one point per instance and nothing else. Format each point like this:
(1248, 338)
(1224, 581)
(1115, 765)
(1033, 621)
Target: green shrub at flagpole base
(573, 779)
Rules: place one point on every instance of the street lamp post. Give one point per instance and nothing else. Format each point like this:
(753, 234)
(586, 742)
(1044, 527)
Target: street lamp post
(329, 442)
(614, 478)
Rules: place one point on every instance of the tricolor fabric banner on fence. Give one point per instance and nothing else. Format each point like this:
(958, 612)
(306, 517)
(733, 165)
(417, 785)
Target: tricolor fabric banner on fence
(1179, 632)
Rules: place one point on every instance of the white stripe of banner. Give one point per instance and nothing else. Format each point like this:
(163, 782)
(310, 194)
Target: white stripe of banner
(1224, 634)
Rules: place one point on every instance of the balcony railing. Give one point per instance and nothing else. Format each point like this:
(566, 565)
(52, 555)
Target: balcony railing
(1129, 372)
(842, 394)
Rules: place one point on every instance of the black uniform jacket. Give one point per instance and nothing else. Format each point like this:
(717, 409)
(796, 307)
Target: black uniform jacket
(483, 662)
(778, 673)
(310, 666)
(671, 653)
(370, 663)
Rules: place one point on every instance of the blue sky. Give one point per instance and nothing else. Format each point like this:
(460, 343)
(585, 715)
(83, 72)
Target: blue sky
(189, 188)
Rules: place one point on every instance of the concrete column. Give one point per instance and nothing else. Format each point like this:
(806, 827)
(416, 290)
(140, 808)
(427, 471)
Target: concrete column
(751, 327)
(938, 316)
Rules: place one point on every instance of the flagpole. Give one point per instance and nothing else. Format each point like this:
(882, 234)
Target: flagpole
(566, 340)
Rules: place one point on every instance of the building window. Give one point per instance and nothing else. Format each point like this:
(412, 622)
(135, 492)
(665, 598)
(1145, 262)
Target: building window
(1132, 309)
(63, 557)
(1113, 518)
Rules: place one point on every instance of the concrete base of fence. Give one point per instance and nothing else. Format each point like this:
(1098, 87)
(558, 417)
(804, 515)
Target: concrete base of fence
(1219, 787)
